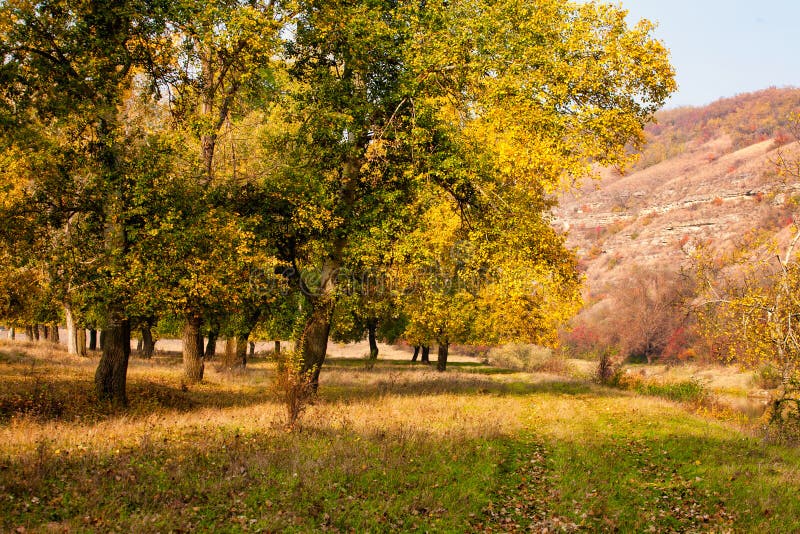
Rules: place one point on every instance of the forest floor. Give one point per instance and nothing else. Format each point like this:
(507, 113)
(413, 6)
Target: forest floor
(394, 447)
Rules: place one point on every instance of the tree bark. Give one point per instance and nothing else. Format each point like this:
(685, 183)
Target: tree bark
(277, 347)
(54, 336)
(252, 349)
(12, 333)
(441, 360)
(372, 326)
(72, 342)
(228, 361)
(147, 343)
(92, 339)
(416, 353)
(426, 351)
(102, 339)
(193, 350)
(314, 339)
(111, 375)
(80, 341)
(241, 349)
(29, 333)
(43, 333)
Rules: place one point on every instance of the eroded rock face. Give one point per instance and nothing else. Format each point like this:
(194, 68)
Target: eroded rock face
(659, 214)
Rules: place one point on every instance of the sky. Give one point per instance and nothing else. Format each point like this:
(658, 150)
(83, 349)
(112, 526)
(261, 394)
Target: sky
(721, 48)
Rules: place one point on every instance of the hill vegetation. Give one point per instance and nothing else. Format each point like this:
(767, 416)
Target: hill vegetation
(695, 227)
(746, 119)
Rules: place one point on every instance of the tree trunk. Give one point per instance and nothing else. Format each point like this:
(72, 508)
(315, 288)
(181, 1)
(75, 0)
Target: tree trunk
(148, 346)
(313, 343)
(232, 357)
(29, 333)
(43, 334)
(277, 347)
(426, 351)
(211, 346)
(111, 374)
(54, 336)
(72, 342)
(241, 349)
(252, 349)
(139, 346)
(12, 333)
(193, 350)
(441, 360)
(372, 326)
(102, 339)
(80, 341)
(92, 339)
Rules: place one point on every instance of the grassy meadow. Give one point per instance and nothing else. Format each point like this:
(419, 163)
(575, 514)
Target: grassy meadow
(395, 447)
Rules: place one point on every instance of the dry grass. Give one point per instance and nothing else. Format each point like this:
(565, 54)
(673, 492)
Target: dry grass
(398, 447)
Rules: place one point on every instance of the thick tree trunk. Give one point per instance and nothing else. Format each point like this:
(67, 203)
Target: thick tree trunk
(252, 349)
(80, 341)
(277, 347)
(426, 351)
(72, 342)
(193, 350)
(92, 339)
(314, 342)
(416, 353)
(147, 343)
(111, 374)
(102, 339)
(54, 336)
(441, 360)
(372, 326)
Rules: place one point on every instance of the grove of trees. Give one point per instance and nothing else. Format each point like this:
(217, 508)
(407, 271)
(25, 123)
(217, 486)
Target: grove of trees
(305, 169)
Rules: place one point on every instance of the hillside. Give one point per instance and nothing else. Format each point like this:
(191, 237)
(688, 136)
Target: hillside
(707, 175)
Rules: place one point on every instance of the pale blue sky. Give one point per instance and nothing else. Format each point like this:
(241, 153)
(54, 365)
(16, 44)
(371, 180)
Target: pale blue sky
(724, 47)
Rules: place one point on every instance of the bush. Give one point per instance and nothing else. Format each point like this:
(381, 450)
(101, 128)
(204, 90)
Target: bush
(682, 391)
(292, 385)
(767, 377)
(608, 368)
(529, 358)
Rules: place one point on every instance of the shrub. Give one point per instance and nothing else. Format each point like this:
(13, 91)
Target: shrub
(681, 391)
(608, 368)
(529, 358)
(292, 385)
(767, 377)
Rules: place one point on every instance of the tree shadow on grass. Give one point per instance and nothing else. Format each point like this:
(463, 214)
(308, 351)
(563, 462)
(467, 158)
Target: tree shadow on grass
(62, 388)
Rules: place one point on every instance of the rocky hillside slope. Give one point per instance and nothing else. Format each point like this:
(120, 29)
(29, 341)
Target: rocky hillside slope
(708, 175)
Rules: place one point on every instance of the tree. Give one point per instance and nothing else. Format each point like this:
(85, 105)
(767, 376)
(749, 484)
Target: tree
(648, 309)
(748, 307)
(69, 67)
(217, 72)
(488, 103)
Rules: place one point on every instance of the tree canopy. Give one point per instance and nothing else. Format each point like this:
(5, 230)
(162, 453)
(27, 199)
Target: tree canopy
(226, 162)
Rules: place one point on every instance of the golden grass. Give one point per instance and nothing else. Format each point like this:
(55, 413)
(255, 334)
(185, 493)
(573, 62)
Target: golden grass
(392, 448)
